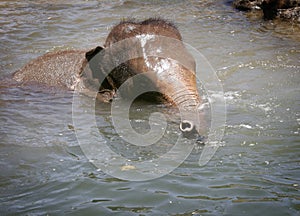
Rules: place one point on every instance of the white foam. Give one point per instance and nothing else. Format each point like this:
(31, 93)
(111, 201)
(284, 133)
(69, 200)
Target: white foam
(246, 126)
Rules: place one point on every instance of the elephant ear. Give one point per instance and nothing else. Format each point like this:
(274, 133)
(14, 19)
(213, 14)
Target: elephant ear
(90, 54)
(94, 64)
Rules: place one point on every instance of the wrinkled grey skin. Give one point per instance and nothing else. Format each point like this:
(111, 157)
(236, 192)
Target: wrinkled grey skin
(61, 69)
(65, 69)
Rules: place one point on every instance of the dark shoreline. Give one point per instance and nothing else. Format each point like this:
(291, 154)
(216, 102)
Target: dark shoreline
(271, 9)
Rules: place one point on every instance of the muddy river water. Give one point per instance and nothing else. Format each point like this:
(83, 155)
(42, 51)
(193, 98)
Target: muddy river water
(256, 171)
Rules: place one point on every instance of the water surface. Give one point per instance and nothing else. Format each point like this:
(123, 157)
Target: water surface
(255, 172)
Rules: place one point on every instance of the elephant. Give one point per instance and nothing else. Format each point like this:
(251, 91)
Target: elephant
(175, 82)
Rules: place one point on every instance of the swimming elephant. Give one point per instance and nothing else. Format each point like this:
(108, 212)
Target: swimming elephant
(174, 78)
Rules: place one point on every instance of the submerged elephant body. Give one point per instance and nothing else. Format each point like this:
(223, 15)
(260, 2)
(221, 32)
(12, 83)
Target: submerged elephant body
(60, 69)
(175, 81)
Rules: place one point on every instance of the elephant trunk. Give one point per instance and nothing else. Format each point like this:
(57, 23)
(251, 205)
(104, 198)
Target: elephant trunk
(186, 99)
(180, 89)
(192, 122)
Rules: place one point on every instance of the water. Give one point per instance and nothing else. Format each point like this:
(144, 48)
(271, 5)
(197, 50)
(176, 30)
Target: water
(256, 171)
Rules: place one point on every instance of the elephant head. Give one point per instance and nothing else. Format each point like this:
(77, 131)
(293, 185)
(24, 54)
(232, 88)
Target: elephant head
(155, 49)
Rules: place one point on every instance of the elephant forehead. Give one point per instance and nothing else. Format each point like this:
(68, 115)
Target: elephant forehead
(129, 28)
(156, 64)
(144, 38)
